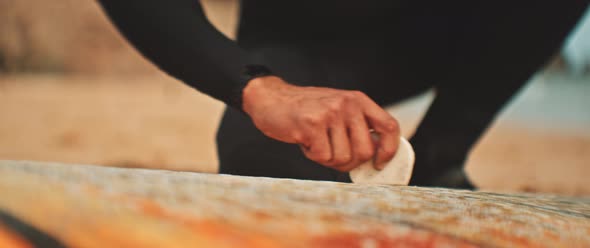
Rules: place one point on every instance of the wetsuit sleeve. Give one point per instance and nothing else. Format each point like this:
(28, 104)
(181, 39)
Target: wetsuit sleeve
(177, 37)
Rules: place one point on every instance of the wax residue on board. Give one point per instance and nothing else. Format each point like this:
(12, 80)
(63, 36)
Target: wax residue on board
(91, 206)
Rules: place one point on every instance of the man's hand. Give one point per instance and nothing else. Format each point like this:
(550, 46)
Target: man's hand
(331, 126)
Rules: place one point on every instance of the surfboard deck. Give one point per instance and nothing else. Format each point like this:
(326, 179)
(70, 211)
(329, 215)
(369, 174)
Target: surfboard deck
(93, 206)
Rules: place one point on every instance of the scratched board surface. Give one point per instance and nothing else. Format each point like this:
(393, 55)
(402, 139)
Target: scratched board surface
(57, 205)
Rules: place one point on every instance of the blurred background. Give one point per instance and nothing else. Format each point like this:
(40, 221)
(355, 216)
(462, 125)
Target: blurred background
(72, 90)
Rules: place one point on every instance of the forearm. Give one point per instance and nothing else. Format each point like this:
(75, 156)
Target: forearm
(176, 36)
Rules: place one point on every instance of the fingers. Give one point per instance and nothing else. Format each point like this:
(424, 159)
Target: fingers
(360, 140)
(341, 152)
(318, 147)
(386, 148)
(331, 147)
(388, 130)
(334, 130)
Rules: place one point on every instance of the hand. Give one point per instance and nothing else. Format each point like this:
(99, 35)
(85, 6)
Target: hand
(331, 126)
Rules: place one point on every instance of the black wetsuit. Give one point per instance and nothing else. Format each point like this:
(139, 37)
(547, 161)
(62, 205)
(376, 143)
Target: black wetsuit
(475, 54)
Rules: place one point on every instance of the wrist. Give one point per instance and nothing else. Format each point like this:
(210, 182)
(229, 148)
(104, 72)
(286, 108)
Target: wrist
(258, 89)
(249, 73)
(253, 90)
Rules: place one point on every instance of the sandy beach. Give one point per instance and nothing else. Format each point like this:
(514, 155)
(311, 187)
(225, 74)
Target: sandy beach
(157, 122)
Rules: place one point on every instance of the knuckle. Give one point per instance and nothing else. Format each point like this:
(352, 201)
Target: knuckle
(312, 119)
(311, 156)
(351, 95)
(364, 154)
(346, 96)
(320, 157)
(358, 94)
(297, 136)
(330, 114)
(346, 159)
(341, 160)
(333, 108)
(336, 104)
(391, 125)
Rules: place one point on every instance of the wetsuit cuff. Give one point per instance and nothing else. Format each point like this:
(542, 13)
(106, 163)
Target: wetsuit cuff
(248, 73)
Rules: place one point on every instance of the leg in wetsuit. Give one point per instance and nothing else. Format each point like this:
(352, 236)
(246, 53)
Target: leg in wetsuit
(476, 56)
